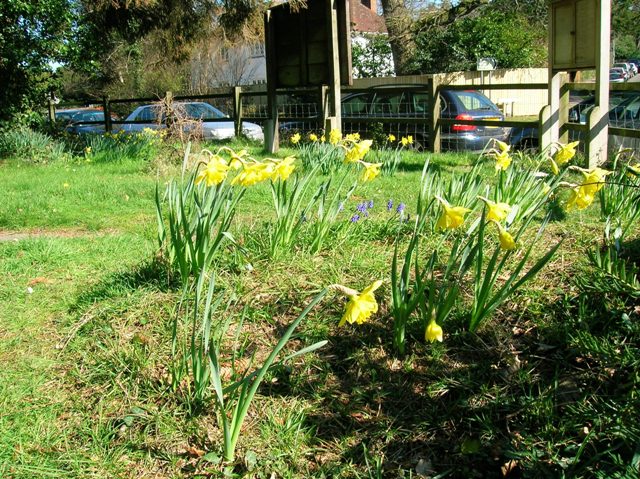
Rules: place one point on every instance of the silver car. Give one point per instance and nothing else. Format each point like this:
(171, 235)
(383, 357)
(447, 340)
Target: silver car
(197, 115)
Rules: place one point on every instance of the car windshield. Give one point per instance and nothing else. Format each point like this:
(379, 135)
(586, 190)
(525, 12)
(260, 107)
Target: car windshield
(88, 116)
(200, 111)
(474, 101)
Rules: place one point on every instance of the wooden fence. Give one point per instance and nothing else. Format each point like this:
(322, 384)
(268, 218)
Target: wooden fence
(249, 104)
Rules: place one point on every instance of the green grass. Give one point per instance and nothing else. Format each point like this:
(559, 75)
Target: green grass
(548, 386)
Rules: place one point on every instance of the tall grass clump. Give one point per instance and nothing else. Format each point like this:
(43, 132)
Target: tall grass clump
(31, 146)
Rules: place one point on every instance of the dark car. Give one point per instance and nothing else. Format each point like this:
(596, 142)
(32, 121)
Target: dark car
(403, 110)
(83, 122)
(621, 107)
(398, 112)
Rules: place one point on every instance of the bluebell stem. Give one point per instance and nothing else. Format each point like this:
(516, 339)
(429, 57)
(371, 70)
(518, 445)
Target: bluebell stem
(355, 218)
(389, 205)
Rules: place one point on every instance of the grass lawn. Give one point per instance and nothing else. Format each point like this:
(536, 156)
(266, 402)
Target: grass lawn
(546, 387)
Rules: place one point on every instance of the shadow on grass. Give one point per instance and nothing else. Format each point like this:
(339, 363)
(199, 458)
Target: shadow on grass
(154, 274)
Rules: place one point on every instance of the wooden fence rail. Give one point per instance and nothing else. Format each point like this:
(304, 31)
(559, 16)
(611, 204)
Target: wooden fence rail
(240, 99)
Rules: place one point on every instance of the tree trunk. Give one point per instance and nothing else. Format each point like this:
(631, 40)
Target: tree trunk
(398, 21)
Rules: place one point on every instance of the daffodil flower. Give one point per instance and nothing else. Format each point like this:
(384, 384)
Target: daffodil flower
(507, 242)
(391, 138)
(496, 211)
(579, 199)
(503, 160)
(554, 166)
(358, 151)
(565, 153)
(255, 173)
(214, 172)
(295, 139)
(433, 332)
(504, 148)
(361, 305)
(283, 169)
(335, 136)
(452, 216)
(371, 170)
(313, 137)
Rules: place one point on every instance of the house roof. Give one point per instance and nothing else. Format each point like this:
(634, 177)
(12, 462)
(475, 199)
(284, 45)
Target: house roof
(365, 18)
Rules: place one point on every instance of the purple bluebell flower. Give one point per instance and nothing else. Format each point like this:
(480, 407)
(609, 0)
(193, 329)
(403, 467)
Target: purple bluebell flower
(370, 205)
(362, 207)
(400, 208)
(355, 218)
(389, 205)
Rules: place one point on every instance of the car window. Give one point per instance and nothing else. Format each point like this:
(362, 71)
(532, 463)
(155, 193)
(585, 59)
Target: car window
(201, 111)
(421, 103)
(148, 113)
(356, 105)
(474, 101)
(389, 104)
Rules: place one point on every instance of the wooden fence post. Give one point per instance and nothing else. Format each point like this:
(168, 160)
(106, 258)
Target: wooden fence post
(544, 128)
(106, 108)
(52, 111)
(324, 104)
(168, 108)
(237, 110)
(434, 117)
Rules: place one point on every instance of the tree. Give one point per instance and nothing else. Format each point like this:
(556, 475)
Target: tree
(33, 37)
(458, 47)
(404, 23)
(371, 54)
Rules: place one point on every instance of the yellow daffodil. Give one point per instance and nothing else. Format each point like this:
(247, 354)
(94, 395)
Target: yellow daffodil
(334, 137)
(594, 180)
(504, 148)
(635, 169)
(554, 166)
(404, 141)
(358, 151)
(214, 172)
(452, 216)
(371, 170)
(313, 137)
(433, 332)
(565, 153)
(255, 173)
(87, 150)
(391, 138)
(283, 169)
(361, 305)
(546, 188)
(496, 211)
(579, 199)
(352, 137)
(295, 139)
(507, 242)
(503, 160)
(322, 139)
(237, 158)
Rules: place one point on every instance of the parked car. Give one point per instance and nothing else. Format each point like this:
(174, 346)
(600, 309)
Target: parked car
(413, 104)
(628, 70)
(623, 113)
(620, 71)
(388, 110)
(81, 123)
(616, 77)
(149, 116)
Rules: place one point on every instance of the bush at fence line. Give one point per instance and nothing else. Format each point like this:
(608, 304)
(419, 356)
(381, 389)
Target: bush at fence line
(32, 146)
(121, 146)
